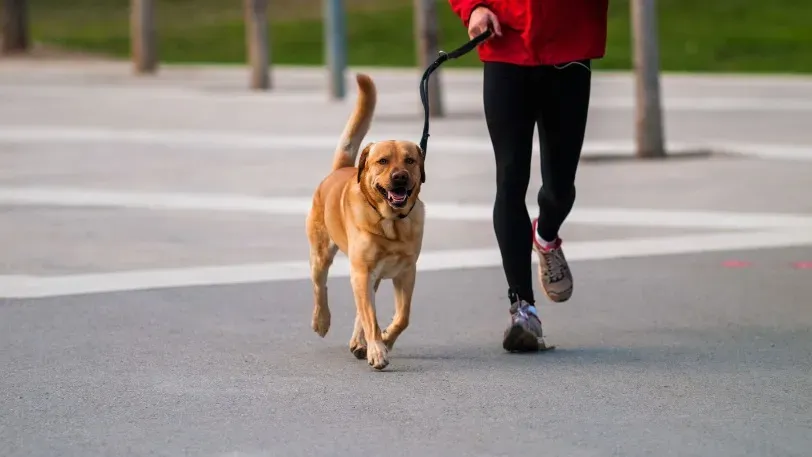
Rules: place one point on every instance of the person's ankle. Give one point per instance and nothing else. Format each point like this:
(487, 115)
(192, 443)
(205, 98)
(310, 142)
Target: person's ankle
(545, 244)
(524, 309)
(517, 300)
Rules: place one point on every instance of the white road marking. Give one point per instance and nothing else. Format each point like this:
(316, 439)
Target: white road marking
(392, 97)
(39, 287)
(232, 140)
(324, 144)
(448, 211)
(212, 72)
(737, 104)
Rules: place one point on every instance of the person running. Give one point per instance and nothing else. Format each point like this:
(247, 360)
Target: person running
(536, 74)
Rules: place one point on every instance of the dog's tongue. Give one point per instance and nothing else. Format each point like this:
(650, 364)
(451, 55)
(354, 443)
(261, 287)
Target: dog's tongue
(397, 198)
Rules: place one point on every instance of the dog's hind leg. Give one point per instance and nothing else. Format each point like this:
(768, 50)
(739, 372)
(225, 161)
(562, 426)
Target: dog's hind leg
(358, 344)
(322, 253)
(403, 288)
(319, 267)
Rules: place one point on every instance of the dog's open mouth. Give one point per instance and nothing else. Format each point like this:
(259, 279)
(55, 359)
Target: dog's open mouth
(396, 196)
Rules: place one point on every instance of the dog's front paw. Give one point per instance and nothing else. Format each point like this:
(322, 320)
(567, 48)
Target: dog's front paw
(378, 355)
(321, 321)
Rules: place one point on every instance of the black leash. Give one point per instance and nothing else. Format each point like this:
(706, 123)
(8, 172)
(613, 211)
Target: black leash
(424, 81)
(424, 95)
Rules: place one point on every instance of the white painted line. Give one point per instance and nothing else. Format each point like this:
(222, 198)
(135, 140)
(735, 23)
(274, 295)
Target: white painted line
(765, 151)
(446, 211)
(324, 144)
(39, 287)
(466, 97)
(187, 138)
(737, 104)
(686, 219)
(80, 197)
(173, 72)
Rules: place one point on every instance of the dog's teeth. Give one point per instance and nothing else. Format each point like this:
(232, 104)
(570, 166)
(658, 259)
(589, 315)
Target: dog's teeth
(397, 198)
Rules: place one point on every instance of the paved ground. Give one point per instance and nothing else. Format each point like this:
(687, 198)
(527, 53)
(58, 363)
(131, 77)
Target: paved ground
(152, 299)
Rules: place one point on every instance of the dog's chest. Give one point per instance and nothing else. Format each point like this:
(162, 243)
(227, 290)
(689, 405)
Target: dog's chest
(390, 266)
(390, 230)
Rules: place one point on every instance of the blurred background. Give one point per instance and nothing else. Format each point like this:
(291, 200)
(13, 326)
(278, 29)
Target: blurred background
(695, 35)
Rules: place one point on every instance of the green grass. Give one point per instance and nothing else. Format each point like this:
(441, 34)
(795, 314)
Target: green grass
(695, 35)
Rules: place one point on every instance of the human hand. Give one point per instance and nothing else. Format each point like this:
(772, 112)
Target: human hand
(481, 20)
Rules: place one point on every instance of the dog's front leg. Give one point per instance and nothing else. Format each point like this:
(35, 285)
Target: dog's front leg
(358, 344)
(403, 288)
(363, 285)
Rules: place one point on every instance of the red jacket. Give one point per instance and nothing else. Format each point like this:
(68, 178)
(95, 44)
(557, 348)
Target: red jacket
(542, 32)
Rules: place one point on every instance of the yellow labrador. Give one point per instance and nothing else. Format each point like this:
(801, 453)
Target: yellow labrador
(371, 213)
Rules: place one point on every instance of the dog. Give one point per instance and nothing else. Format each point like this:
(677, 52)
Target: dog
(373, 214)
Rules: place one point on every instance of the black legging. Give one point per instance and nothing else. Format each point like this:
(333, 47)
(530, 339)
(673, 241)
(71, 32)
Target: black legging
(516, 99)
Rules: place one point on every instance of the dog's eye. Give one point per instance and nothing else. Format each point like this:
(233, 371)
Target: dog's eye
(382, 161)
(409, 160)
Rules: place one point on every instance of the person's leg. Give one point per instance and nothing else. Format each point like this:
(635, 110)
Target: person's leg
(510, 115)
(564, 105)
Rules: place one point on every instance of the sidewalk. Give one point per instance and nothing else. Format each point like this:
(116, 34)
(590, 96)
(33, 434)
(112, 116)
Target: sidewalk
(764, 116)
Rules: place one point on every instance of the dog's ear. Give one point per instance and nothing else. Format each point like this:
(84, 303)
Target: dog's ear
(362, 161)
(422, 165)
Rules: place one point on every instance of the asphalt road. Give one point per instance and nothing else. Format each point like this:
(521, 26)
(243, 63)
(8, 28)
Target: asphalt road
(153, 300)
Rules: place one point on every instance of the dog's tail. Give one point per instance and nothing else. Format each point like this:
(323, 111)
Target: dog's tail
(358, 125)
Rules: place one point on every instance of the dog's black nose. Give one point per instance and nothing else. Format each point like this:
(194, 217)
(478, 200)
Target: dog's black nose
(400, 177)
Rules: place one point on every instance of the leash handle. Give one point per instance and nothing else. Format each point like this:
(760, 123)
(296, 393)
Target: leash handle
(469, 46)
(424, 81)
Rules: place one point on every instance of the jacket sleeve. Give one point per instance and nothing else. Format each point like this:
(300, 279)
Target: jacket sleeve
(464, 8)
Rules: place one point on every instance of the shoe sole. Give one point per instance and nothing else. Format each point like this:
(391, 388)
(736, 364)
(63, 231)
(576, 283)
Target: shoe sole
(556, 297)
(520, 340)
